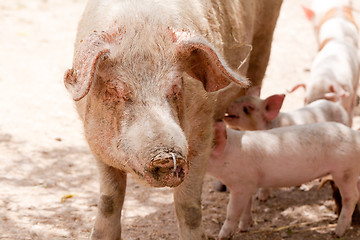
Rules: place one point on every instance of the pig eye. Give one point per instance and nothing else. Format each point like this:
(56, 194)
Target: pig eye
(175, 90)
(117, 93)
(127, 98)
(247, 109)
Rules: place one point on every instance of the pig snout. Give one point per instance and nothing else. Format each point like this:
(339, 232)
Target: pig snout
(166, 168)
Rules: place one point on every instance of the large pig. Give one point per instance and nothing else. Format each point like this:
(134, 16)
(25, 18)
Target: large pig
(284, 157)
(145, 81)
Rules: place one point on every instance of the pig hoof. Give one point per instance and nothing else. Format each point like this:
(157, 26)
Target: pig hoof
(245, 226)
(263, 194)
(223, 238)
(226, 233)
(339, 231)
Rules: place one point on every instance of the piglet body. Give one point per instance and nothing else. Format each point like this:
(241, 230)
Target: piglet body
(335, 74)
(336, 68)
(284, 157)
(252, 113)
(318, 111)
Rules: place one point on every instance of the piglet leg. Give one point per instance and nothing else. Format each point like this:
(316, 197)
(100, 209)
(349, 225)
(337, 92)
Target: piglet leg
(350, 196)
(246, 217)
(263, 194)
(112, 188)
(238, 202)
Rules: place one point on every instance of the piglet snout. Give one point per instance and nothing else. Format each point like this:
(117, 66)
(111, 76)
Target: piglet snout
(166, 168)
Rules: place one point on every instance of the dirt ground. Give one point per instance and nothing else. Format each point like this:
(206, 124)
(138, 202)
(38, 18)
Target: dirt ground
(48, 178)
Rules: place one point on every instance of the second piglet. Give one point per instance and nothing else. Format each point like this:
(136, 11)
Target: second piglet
(252, 113)
(284, 157)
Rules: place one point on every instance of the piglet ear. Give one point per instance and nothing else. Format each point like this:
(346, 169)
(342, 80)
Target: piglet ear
(272, 106)
(309, 13)
(332, 97)
(90, 52)
(336, 94)
(220, 137)
(202, 62)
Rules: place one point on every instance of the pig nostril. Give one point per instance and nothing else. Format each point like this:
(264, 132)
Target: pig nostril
(166, 168)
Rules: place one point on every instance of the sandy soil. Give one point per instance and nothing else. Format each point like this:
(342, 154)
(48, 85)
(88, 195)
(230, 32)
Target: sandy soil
(48, 179)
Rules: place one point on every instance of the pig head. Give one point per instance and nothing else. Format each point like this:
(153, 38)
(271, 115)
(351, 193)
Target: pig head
(132, 99)
(252, 113)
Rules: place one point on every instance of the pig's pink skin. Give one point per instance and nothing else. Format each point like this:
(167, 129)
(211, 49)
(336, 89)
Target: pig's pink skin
(335, 75)
(252, 113)
(335, 70)
(145, 81)
(284, 157)
(340, 25)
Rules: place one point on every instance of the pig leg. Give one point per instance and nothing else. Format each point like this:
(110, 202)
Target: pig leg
(112, 188)
(262, 39)
(238, 202)
(358, 187)
(246, 218)
(187, 198)
(350, 196)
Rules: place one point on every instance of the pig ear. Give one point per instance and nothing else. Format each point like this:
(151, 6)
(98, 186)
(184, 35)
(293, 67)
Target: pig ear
(91, 51)
(204, 63)
(220, 137)
(272, 106)
(309, 13)
(78, 82)
(332, 97)
(335, 95)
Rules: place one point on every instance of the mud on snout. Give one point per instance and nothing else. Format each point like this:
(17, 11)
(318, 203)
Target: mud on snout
(166, 168)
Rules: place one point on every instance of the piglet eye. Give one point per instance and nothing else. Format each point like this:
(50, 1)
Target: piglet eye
(247, 109)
